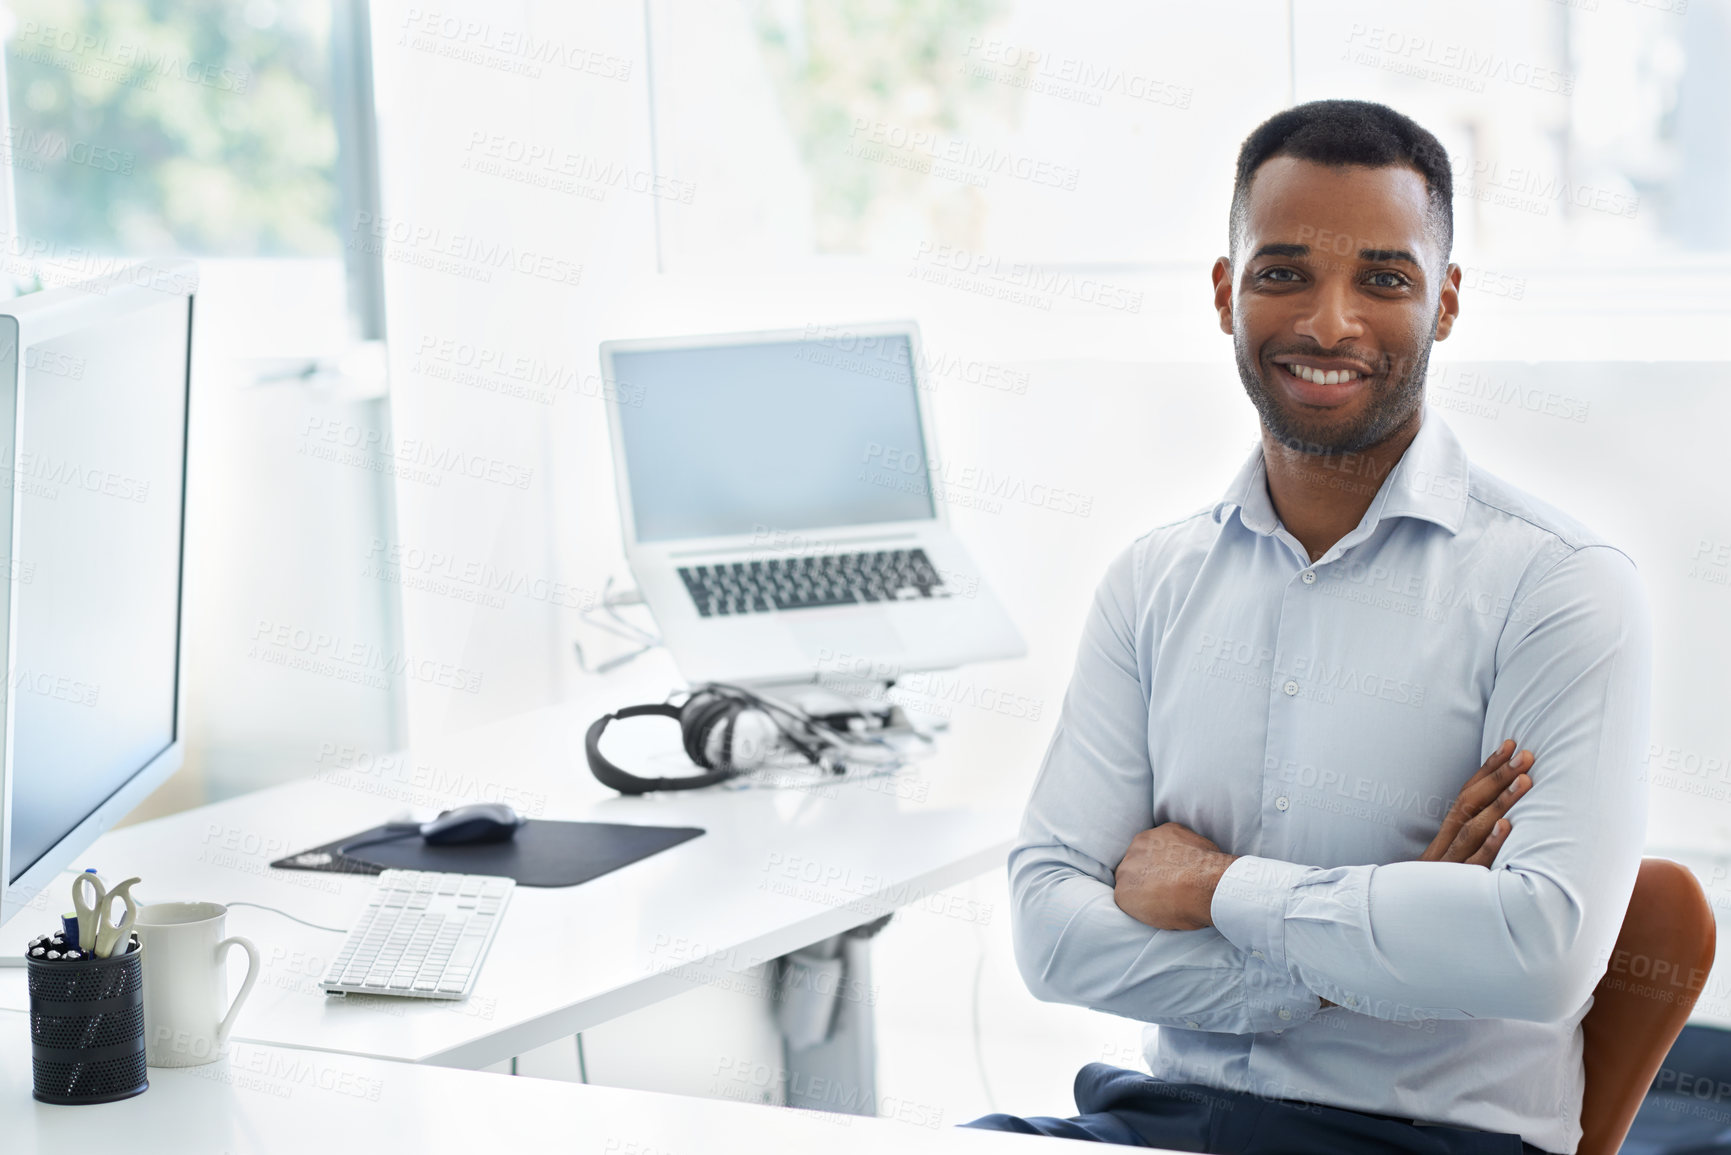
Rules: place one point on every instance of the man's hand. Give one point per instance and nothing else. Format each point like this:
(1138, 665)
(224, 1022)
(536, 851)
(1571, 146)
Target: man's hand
(1167, 878)
(1475, 829)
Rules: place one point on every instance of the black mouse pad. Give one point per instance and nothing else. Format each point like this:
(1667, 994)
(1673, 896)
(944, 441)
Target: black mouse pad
(542, 854)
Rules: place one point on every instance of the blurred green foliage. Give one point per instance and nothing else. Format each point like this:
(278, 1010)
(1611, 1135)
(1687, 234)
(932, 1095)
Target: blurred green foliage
(173, 126)
(842, 68)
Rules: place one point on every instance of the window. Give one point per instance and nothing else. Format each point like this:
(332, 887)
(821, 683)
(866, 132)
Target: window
(1098, 132)
(1080, 132)
(1578, 129)
(202, 127)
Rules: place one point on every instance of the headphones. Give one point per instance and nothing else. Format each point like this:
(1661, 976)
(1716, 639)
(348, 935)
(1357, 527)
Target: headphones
(727, 731)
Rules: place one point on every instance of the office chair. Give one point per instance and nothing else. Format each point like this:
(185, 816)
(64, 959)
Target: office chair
(1656, 973)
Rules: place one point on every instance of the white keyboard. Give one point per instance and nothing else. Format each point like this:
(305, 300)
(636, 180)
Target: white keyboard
(423, 935)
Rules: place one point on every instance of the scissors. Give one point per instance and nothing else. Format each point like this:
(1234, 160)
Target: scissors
(95, 932)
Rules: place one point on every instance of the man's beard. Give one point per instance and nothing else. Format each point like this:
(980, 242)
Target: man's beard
(1394, 395)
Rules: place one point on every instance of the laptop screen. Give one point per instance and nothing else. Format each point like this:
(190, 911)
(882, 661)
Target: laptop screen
(790, 435)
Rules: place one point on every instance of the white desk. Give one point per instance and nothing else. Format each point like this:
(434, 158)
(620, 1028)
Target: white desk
(777, 870)
(268, 1099)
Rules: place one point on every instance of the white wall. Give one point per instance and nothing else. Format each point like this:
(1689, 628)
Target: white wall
(502, 245)
(276, 535)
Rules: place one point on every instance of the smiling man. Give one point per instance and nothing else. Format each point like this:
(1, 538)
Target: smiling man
(1258, 825)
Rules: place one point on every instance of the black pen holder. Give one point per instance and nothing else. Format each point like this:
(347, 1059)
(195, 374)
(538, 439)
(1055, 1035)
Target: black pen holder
(87, 1028)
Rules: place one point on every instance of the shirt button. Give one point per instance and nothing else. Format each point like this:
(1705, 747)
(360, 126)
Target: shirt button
(1290, 688)
(1285, 1014)
(1255, 954)
(1309, 577)
(1281, 803)
(1193, 1024)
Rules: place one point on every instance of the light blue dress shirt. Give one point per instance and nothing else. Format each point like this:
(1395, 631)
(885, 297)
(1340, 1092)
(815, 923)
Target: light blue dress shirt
(1319, 718)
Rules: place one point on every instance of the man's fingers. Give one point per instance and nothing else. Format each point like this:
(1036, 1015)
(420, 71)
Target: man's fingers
(1486, 783)
(1499, 758)
(1499, 834)
(1472, 817)
(1473, 834)
(1489, 789)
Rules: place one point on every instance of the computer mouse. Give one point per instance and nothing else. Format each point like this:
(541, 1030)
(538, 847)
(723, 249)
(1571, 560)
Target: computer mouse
(482, 822)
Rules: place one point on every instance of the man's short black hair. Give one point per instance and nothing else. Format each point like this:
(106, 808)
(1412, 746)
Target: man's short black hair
(1349, 132)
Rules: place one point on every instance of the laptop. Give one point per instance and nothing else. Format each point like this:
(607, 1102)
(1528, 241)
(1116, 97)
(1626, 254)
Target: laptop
(783, 507)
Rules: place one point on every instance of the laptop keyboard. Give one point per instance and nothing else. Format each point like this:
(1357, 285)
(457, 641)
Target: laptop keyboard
(837, 579)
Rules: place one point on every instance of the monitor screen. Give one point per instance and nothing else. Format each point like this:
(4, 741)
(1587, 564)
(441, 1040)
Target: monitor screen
(99, 480)
(790, 435)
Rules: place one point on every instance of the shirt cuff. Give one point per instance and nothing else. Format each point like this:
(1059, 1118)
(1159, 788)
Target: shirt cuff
(1249, 911)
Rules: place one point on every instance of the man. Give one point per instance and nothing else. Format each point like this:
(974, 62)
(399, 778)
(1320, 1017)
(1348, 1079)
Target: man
(1257, 825)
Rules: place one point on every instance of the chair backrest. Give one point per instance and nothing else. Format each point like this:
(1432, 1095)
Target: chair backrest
(1656, 973)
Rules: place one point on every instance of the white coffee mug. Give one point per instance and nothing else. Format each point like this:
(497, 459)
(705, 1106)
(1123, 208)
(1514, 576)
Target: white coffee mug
(185, 961)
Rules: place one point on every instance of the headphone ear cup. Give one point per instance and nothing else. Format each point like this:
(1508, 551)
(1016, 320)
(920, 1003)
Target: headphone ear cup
(697, 720)
(743, 740)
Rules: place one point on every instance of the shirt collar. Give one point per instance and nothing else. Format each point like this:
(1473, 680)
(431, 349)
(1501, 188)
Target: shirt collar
(1428, 482)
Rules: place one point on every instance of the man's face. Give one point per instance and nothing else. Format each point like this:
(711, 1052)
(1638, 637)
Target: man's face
(1335, 301)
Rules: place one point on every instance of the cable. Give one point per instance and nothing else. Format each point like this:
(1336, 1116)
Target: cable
(811, 724)
(618, 626)
(979, 1044)
(610, 663)
(287, 915)
(778, 777)
(610, 606)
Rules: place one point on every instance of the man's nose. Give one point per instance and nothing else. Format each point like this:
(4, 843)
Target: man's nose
(1333, 317)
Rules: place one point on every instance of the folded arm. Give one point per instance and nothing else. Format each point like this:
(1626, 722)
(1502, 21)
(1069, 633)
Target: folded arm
(1094, 794)
(1530, 937)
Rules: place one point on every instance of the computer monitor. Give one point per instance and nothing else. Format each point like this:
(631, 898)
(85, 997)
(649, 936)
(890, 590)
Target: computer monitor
(94, 387)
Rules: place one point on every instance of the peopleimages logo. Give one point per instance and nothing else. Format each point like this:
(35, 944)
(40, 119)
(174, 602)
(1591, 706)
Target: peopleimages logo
(1068, 77)
(351, 660)
(484, 581)
(1535, 190)
(128, 62)
(45, 476)
(886, 357)
(1016, 282)
(953, 157)
(346, 443)
(29, 149)
(969, 485)
(464, 254)
(514, 50)
(1456, 65)
(549, 164)
(517, 374)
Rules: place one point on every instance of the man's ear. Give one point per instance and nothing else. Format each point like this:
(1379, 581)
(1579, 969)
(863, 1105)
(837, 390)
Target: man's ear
(1448, 305)
(1223, 293)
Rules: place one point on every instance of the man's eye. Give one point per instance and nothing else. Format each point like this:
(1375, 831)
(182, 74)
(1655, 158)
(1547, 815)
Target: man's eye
(1386, 280)
(1278, 274)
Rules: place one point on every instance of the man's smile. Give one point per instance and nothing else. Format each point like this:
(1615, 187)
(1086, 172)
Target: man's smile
(1321, 380)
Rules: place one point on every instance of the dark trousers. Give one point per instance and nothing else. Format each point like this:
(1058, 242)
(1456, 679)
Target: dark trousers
(1687, 1110)
(1119, 1106)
